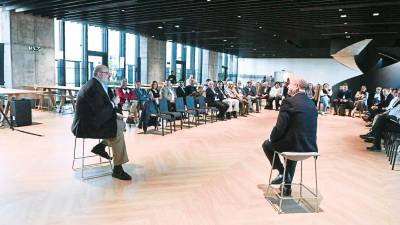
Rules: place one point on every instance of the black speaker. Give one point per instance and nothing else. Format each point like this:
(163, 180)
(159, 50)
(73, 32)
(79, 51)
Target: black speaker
(21, 112)
(1, 64)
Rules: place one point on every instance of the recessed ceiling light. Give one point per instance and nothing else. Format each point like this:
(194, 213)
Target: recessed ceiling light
(254, 49)
(347, 36)
(177, 26)
(239, 16)
(260, 27)
(152, 36)
(208, 0)
(122, 10)
(346, 32)
(160, 27)
(375, 14)
(225, 40)
(275, 35)
(345, 23)
(193, 31)
(343, 16)
(169, 40)
(231, 46)
(340, 10)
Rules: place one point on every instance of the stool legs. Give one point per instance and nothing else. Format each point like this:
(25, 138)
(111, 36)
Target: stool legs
(316, 185)
(301, 179)
(270, 174)
(282, 186)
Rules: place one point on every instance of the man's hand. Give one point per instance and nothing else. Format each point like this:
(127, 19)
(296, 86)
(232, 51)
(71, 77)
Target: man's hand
(116, 100)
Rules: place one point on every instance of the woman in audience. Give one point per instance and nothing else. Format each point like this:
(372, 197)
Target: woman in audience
(128, 101)
(325, 96)
(360, 100)
(310, 91)
(154, 94)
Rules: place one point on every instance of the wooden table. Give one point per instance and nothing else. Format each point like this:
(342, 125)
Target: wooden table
(49, 89)
(17, 93)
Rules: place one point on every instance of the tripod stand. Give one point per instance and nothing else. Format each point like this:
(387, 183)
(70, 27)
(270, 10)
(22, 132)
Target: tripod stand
(12, 127)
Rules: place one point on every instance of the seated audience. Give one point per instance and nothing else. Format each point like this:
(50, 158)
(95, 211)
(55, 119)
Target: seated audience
(233, 98)
(181, 90)
(344, 97)
(250, 93)
(265, 93)
(275, 94)
(285, 88)
(386, 122)
(141, 94)
(385, 99)
(325, 96)
(360, 100)
(172, 77)
(190, 88)
(191, 80)
(232, 104)
(168, 92)
(213, 100)
(245, 100)
(96, 117)
(154, 94)
(295, 131)
(128, 100)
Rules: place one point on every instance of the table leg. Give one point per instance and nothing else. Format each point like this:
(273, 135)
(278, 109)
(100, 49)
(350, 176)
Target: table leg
(72, 99)
(52, 99)
(9, 97)
(63, 96)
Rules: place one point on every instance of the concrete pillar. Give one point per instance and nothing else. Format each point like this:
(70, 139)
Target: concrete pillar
(213, 65)
(153, 54)
(22, 65)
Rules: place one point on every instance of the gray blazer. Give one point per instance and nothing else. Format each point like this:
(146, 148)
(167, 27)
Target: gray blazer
(168, 93)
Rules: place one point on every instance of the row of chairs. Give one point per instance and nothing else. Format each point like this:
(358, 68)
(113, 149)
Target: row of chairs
(391, 143)
(195, 111)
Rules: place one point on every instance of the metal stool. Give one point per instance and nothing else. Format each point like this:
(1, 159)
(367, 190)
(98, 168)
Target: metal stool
(295, 156)
(83, 165)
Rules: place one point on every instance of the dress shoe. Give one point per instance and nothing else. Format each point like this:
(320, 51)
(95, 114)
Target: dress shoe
(365, 136)
(278, 179)
(228, 115)
(119, 173)
(234, 113)
(365, 118)
(265, 107)
(287, 190)
(100, 149)
(369, 125)
(374, 148)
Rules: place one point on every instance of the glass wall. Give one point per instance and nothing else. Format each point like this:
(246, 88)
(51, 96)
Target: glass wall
(197, 64)
(130, 68)
(95, 39)
(168, 65)
(73, 53)
(116, 60)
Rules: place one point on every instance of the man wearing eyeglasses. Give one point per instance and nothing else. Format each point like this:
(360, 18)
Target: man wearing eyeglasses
(96, 117)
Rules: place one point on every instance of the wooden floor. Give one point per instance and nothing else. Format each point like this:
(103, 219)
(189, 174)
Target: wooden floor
(212, 174)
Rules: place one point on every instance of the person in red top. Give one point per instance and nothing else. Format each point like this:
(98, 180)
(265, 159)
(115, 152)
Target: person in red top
(128, 100)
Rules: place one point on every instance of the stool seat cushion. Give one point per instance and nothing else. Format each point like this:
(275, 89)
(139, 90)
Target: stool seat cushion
(298, 156)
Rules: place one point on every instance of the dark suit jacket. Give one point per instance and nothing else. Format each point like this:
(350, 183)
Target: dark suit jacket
(180, 92)
(249, 91)
(95, 116)
(190, 90)
(220, 93)
(210, 96)
(296, 128)
(385, 102)
(347, 95)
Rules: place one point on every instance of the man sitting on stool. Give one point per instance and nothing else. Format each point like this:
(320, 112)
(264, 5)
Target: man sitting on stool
(96, 117)
(295, 131)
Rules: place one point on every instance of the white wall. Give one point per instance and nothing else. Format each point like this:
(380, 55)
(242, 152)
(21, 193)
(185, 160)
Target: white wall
(313, 70)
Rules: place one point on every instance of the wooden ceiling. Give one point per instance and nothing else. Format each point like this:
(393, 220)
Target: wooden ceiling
(248, 28)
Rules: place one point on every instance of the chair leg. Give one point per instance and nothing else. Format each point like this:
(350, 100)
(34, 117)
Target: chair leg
(174, 125)
(83, 158)
(162, 127)
(73, 161)
(301, 180)
(394, 157)
(316, 185)
(170, 126)
(282, 186)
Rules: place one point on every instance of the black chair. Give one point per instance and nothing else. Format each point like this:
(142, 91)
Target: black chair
(180, 107)
(155, 113)
(203, 106)
(191, 110)
(175, 115)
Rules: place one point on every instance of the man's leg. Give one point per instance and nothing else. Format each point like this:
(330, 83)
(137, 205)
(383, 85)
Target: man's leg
(269, 152)
(335, 105)
(277, 102)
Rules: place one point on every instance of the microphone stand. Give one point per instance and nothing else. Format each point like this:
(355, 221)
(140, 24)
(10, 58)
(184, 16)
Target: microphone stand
(12, 127)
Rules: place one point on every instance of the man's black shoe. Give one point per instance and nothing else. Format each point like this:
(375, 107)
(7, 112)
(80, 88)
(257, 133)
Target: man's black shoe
(369, 125)
(369, 140)
(287, 190)
(119, 173)
(99, 149)
(228, 115)
(278, 179)
(365, 136)
(374, 148)
(234, 114)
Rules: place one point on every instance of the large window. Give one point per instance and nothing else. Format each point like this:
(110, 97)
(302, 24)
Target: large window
(130, 68)
(59, 53)
(116, 60)
(168, 64)
(95, 38)
(73, 52)
(197, 64)
(188, 61)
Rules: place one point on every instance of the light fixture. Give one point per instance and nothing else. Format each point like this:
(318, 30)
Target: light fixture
(232, 46)
(375, 14)
(122, 10)
(254, 49)
(225, 40)
(177, 26)
(193, 31)
(347, 36)
(260, 27)
(275, 35)
(345, 23)
(239, 16)
(160, 27)
(343, 16)
(346, 32)
(208, 0)
(152, 36)
(169, 40)
(340, 10)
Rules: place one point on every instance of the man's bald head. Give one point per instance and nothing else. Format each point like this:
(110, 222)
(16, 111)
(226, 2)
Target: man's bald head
(297, 84)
